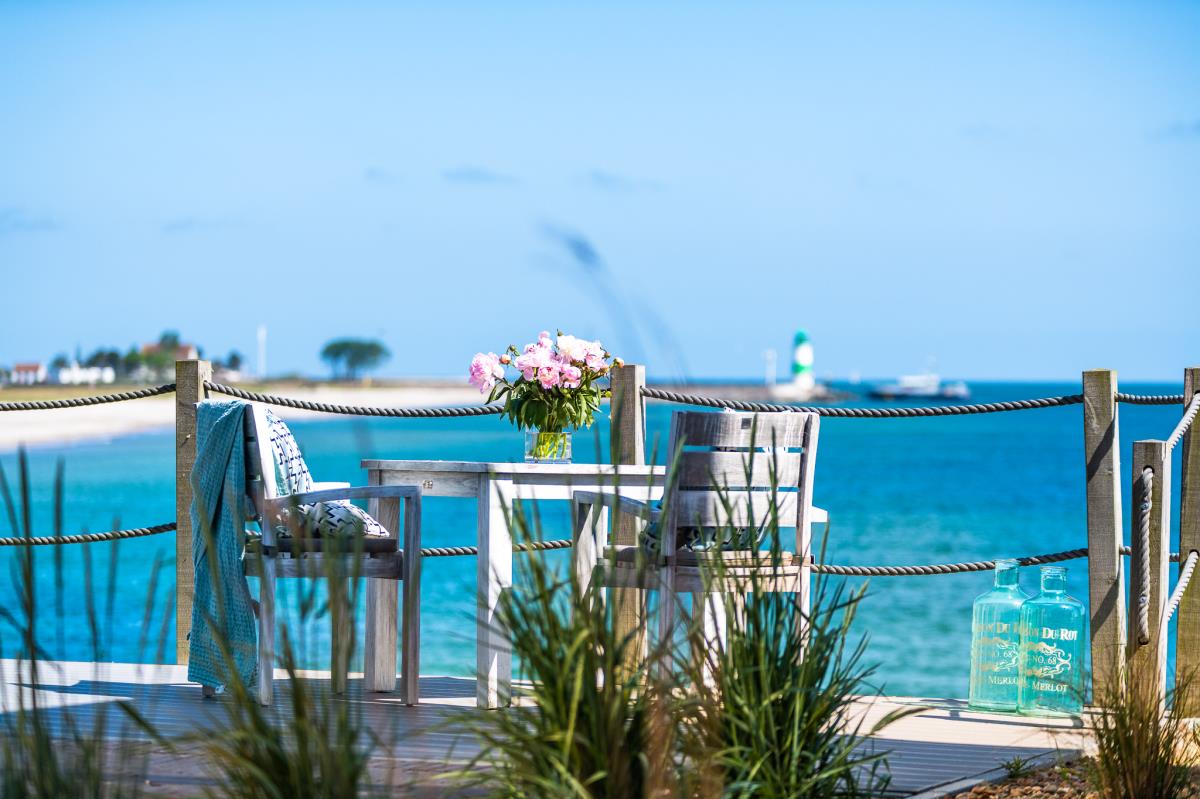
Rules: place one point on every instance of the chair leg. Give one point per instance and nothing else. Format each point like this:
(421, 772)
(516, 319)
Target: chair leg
(590, 536)
(266, 632)
(667, 612)
(342, 634)
(379, 641)
(709, 611)
(410, 635)
(379, 644)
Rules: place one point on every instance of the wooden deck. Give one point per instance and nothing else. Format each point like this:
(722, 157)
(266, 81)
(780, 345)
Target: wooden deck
(942, 746)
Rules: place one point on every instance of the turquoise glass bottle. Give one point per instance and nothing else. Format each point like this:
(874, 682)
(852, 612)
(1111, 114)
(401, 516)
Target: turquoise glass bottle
(996, 642)
(1052, 636)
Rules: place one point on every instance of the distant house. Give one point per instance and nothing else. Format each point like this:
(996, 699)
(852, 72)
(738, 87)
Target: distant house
(223, 374)
(183, 352)
(76, 375)
(28, 374)
(158, 363)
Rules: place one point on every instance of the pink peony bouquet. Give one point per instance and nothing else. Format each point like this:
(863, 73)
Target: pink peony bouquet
(557, 386)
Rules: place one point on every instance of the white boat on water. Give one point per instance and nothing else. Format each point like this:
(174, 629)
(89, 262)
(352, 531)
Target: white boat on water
(923, 386)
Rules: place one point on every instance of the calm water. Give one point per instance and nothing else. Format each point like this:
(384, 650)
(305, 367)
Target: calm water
(898, 491)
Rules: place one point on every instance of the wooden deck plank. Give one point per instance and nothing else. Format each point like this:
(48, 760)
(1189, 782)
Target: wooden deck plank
(942, 744)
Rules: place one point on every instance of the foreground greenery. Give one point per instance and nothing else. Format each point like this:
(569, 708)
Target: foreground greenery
(53, 754)
(770, 713)
(1144, 749)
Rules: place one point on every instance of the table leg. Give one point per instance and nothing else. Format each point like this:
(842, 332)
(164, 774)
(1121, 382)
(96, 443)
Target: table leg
(494, 575)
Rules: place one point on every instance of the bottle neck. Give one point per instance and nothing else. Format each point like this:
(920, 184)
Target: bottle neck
(1007, 574)
(1054, 582)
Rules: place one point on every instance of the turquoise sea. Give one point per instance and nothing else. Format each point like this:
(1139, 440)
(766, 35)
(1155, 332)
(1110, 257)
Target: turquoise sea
(899, 491)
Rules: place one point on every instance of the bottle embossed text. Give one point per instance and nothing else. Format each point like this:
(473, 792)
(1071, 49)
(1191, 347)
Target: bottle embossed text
(996, 642)
(1052, 636)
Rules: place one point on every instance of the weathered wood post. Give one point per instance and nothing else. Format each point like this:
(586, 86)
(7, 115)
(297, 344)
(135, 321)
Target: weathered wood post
(627, 439)
(190, 377)
(1187, 629)
(1106, 580)
(1150, 653)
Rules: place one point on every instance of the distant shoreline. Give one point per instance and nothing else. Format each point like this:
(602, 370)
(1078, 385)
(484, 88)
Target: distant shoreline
(111, 420)
(102, 422)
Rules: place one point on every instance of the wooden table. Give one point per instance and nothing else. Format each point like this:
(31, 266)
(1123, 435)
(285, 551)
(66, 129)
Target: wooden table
(495, 486)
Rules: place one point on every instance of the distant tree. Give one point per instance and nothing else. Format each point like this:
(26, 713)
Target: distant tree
(352, 356)
(61, 361)
(234, 361)
(169, 340)
(130, 362)
(103, 357)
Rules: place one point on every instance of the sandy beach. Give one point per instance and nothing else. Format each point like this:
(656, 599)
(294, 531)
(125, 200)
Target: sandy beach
(102, 422)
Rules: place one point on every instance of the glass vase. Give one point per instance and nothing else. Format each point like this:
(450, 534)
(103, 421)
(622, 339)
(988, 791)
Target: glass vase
(996, 642)
(547, 447)
(1052, 635)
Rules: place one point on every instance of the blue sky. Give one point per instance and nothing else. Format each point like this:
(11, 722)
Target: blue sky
(1012, 189)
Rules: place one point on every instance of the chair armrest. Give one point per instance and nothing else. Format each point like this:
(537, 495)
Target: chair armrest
(361, 492)
(622, 504)
(819, 515)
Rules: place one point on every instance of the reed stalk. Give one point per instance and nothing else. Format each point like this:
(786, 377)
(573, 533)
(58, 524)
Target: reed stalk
(54, 753)
(1144, 749)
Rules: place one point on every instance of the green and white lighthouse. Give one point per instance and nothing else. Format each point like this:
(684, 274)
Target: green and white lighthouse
(802, 363)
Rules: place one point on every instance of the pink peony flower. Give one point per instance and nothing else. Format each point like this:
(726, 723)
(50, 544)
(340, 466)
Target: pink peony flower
(571, 375)
(594, 357)
(535, 358)
(485, 371)
(549, 376)
(572, 349)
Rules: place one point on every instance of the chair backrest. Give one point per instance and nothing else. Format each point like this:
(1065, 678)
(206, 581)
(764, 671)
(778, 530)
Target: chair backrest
(727, 464)
(273, 459)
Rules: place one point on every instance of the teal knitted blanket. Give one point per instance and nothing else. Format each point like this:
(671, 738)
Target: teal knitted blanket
(224, 635)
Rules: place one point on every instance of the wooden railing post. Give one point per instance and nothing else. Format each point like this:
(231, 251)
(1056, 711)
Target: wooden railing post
(1187, 629)
(1106, 580)
(627, 438)
(1150, 654)
(189, 389)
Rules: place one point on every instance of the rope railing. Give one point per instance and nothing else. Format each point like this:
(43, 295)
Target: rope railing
(565, 543)
(1149, 399)
(80, 402)
(1185, 576)
(1143, 561)
(86, 538)
(943, 568)
(532, 546)
(352, 410)
(863, 413)
(1185, 422)
(651, 393)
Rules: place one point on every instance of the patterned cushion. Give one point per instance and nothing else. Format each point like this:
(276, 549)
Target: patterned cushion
(291, 472)
(334, 518)
(702, 539)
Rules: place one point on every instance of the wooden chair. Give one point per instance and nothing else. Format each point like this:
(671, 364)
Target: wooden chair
(378, 557)
(711, 486)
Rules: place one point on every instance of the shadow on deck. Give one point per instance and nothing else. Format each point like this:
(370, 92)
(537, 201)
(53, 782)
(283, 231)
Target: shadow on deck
(943, 745)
